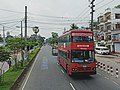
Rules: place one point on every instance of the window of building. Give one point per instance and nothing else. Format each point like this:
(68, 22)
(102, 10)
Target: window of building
(109, 37)
(117, 25)
(109, 27)
(116, 37)
(117, 16)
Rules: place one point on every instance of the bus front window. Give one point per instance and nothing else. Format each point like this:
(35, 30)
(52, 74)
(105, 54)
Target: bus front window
(82, 56)
(82, 38)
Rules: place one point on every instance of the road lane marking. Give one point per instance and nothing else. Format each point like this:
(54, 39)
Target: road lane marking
(29, 73)
(99, 74)
(115, 83)
(62, 71)
(106, 78)
(72, 86)
(44, 63)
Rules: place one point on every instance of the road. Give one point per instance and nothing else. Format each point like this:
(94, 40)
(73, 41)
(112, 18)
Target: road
(46, 74)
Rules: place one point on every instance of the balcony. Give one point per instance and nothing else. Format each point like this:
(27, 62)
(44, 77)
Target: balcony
(115, 40)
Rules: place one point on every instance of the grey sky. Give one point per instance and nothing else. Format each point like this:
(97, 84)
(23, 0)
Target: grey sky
(49, 15)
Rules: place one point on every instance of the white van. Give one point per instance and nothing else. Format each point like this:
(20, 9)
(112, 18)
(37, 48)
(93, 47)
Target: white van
(102, 50)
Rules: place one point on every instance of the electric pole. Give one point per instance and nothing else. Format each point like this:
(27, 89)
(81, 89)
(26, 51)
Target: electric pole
(92, 11)
(21, 31)
(3, 35)
(22, 54)
(25, 22)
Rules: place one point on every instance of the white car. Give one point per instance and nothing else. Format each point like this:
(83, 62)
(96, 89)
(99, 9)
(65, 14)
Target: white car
(102, 50)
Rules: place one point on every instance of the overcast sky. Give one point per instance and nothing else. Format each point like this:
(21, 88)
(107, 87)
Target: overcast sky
(49, 15)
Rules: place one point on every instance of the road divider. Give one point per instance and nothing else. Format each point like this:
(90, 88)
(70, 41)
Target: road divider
(110, 70)
(117, 73)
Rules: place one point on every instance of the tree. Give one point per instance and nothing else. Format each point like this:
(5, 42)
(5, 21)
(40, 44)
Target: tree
(4, 56)
(1, 39)
(74, 26)
(54, 39)
(118, 6)
(16, 44)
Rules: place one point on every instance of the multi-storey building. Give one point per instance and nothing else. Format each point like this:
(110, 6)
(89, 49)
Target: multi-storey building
(109, 26)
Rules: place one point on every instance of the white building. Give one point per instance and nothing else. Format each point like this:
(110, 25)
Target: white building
(109, 24)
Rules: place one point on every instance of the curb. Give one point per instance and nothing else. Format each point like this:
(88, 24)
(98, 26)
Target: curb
(16, 85)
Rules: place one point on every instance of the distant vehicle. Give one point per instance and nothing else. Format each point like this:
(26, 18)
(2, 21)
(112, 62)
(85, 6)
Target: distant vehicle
(102, 50)
(54, 51)
(76, 52)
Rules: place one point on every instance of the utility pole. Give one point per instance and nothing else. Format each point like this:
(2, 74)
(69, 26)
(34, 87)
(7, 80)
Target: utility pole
(92, 11)
(25, 22)
(21, 31)
(22, 54)
(3, 35)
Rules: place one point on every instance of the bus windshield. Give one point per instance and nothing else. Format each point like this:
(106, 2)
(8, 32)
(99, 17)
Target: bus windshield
(82, 56)
(82, 39)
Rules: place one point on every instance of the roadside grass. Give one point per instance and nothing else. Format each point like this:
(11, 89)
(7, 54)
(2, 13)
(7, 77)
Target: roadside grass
(11, 75)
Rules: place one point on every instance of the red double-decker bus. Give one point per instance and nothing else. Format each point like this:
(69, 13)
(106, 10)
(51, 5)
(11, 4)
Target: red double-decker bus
(76, 52)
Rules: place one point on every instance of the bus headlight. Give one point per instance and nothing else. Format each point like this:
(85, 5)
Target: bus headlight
(93, 69)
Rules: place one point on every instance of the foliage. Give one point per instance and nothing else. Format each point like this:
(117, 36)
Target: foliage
(37, 38)
(118, 6)
(16, 43)
(1, 39)
(73, 26)
(10, 76)
(54, 39)
(4, 54)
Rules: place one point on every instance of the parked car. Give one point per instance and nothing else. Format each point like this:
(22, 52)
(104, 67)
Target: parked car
(102, 50)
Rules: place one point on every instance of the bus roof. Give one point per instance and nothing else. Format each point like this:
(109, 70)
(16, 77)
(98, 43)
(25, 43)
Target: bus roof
(76, 31)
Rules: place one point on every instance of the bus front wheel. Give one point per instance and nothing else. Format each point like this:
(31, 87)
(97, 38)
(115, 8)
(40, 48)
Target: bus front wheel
(67, 70)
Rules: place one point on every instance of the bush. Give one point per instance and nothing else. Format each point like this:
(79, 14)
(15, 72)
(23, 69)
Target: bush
(11, 75)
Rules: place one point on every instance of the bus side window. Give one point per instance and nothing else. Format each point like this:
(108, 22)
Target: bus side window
(69, 54)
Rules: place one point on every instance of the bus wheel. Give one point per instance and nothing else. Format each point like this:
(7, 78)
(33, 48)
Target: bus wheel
(67, 70)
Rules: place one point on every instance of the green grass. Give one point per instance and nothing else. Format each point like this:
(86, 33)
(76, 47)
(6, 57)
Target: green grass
(11, 75)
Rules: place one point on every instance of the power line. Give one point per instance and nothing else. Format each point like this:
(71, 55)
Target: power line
(9, 22)
(105, 4)
(82, 12)
(99, 2)
(62, 17)
(11, 11)
(54, 23)
(58, 20)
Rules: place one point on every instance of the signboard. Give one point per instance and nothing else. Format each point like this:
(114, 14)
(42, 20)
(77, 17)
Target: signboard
(83, 46)
(81, 34)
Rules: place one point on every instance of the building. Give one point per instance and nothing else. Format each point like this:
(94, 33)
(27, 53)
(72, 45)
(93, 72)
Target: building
(109, 26)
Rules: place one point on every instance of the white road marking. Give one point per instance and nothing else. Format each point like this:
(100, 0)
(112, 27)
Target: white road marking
(106, 78)
(62, 71)
(29, 74)
(99, 74)
(115, 83)
(44, 63)
(72, 86)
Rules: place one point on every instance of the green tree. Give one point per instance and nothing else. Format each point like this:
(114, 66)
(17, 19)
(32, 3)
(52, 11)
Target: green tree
(118, 6)
(16, 44)
(73, 26)
(4, 56)
(1, 39)
(54, 39)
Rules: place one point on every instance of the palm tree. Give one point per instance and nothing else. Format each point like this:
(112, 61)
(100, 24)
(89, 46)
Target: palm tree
(74, 26)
